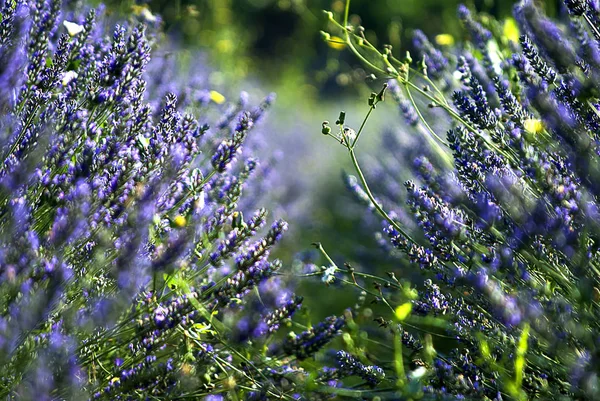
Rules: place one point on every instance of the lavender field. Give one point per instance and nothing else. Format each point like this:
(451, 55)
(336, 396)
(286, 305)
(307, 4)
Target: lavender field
(254, 200)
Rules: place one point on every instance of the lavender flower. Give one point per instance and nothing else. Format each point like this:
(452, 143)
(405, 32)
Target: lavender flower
(504, 238)
(117, 206)
(348, 365)
(310, 341)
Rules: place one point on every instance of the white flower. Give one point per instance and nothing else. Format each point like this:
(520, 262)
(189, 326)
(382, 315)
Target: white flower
(73, 28)
(68, 77)
(418, 373)
(201, 200)
(328, 274)
(148, 16)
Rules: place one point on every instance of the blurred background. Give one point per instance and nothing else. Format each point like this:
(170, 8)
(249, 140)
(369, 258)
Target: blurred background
(279, 39)
(264, 46)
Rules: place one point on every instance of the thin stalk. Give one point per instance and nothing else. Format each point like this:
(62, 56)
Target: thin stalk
(376, 205)
(444, 156)
(589, 22)
(362, 126)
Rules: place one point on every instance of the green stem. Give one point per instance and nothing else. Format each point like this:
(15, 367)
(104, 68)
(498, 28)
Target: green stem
(432, 134)
(398, 358)
(376, 205)
(425, 123)
(319, 246)
(362, 126)
(346, 13)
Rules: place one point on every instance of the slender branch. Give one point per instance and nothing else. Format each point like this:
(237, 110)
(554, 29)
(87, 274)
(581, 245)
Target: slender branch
(376, 205)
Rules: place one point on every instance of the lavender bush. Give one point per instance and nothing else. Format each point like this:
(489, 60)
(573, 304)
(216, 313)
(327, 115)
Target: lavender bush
(131, 264)
(135, 262)
(501, 219)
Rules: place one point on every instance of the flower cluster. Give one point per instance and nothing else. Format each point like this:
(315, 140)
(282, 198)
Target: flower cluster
(504, 207)
(310, 341)
(348, 365)
(126, 263)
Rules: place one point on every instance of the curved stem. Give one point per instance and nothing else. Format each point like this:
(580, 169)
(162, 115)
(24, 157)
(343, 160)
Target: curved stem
(423, 120)
(376, 205)
(444, 156)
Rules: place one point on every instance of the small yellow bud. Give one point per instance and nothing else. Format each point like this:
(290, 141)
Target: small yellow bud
(179, 221)
(336, 43)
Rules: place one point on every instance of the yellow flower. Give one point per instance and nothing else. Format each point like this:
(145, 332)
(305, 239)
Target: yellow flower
(217, 97)
(511, 30)
(179, 221)
(533, 125)
(403, 311)
(444, 39)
